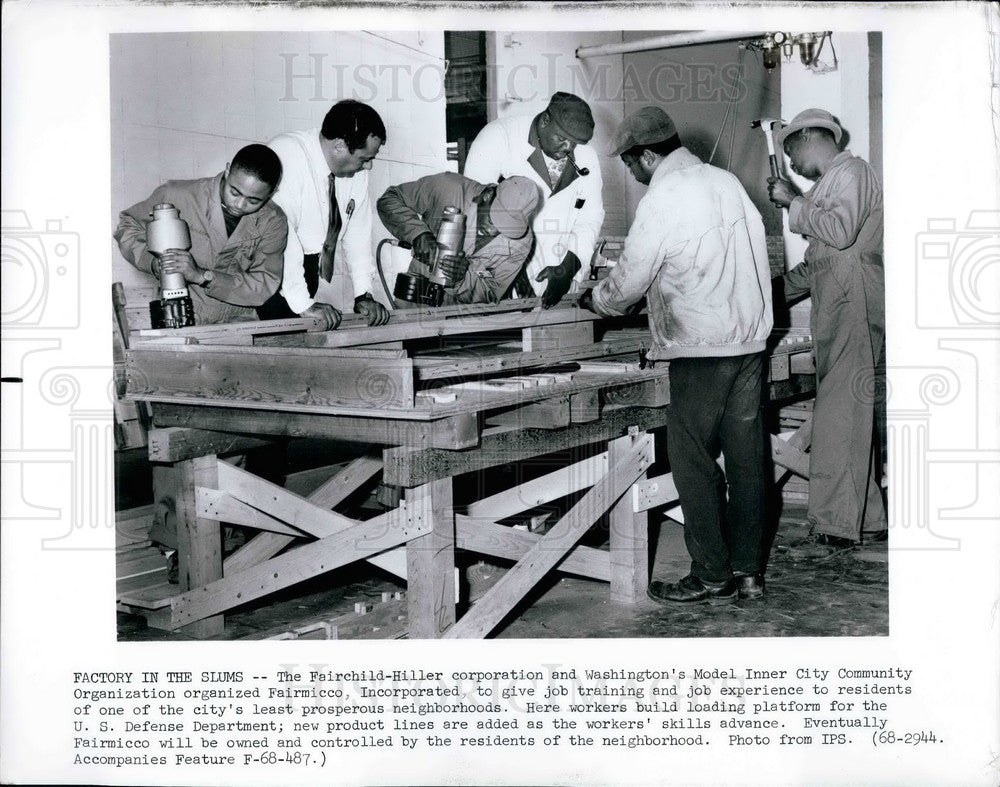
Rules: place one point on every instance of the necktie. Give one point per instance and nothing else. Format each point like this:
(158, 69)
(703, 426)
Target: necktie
(332, 231)
(555, 169)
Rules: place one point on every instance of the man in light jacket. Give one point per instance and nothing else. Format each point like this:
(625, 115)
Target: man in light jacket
(841, 215)
(542, 148)
(326, 167)
(697, 251)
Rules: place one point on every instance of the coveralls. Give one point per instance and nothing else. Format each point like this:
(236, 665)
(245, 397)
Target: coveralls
(841, 215)
(698, 252)
(409, 209)
(247, 264)
(572, 212)
(304, 195)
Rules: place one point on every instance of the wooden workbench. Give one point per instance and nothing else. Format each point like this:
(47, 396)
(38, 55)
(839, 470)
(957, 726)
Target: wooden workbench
(442, 394)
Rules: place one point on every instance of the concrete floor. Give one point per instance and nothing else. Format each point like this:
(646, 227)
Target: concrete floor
(842, 595)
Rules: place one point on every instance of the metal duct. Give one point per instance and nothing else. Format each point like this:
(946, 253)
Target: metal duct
(667, 41)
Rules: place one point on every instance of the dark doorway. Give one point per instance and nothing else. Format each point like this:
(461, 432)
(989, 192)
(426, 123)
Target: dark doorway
(465, 88)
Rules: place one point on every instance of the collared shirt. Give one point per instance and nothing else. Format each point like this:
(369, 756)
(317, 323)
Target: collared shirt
(698, 252)
(304, 196)
(247, 264)
(572, 212)
(410, 209)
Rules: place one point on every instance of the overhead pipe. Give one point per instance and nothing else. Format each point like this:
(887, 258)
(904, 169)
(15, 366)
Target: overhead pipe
(667, 41)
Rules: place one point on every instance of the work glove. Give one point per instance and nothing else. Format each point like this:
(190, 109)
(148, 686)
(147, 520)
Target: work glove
(454, 266)
(560, 278)
(373, 311)
(324, 314)
(424, 247)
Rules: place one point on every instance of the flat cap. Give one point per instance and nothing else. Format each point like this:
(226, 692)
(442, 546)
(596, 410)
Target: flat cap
(645, 126)
(809, 118)
(516, 199)
(573, 116)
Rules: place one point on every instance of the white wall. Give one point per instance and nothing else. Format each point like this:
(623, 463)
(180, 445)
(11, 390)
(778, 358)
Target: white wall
(183, 103)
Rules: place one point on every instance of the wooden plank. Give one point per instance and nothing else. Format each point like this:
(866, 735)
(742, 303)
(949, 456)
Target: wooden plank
(215, 504)
(585, 407)
(653, 492)
(310, 560)
(551, 413)
(430, 563)
(789, 457)
(551, 338)
(549, 550)
(538, 491)
(628, 539)
(434, 325)
(331, 493)
(496, 540)
(198, 538)
(173, 444)
(294, 376)
(437, 369)
(649, 393)
(279, 502)
(457, 431)
(409, 467)
(234, 331)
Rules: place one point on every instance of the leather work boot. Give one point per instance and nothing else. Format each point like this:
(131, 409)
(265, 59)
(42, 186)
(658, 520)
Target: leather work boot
(691, 590)
(750, 586)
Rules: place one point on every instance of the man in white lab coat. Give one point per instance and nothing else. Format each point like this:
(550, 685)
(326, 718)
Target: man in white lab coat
(551, 149)
(324, 194)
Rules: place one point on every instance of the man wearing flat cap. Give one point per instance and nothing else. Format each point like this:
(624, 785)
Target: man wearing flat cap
(697, 252)
(498, 233)
(841, 216)
(551, 149)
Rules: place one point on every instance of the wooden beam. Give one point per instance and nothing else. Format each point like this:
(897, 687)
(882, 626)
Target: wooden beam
(628, 539)
(790, 457)
(430, 563)
(199, 540)
(412, 467)
(538, 491)
(310, 560)
(455, 431)
(174, 444)
(280, 503)
(551, 338)
(435, 325)
(268, 375)
(235, 332)
(548, 551)
(652, 492)
(585, 406)
(496, 540)
(223, 507)
(551, 413)
(438, 369)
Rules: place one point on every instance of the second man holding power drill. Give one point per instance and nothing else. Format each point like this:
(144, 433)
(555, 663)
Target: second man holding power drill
(498, 235)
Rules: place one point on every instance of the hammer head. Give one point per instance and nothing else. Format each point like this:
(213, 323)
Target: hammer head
(767, 123)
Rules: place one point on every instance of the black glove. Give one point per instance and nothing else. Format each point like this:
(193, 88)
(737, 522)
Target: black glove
(374, 312)
(424, 246)
(560, 278)
(587, 300)
(454, 266)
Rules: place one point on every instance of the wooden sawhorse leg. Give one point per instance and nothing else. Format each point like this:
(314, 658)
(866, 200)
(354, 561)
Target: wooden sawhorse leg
(629, 540)
(199, 542)
(430, 564)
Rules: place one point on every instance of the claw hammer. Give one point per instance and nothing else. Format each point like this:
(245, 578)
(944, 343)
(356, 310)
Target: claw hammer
(767, 126)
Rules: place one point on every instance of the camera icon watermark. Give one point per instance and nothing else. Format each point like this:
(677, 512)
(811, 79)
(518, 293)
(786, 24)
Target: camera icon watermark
(965, 264)
(41, 273)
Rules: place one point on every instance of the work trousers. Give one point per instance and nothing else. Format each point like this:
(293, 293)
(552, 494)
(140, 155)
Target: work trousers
(845, 461)
(715, 403)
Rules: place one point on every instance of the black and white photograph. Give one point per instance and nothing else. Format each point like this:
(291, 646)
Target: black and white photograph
(531, 394)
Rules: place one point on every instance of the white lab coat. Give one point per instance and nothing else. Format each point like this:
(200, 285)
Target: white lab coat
(303, 196)
(571, 216)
